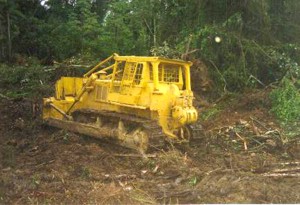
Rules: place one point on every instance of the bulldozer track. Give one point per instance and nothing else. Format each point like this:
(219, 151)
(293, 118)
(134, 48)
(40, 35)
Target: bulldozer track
(86, 119)
(157, 138)
(155, 133)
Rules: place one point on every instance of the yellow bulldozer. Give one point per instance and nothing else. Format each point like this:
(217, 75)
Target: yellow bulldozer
(139, 102)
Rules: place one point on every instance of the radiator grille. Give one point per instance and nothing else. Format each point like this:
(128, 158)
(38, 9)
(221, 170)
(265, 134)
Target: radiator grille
(102, 92)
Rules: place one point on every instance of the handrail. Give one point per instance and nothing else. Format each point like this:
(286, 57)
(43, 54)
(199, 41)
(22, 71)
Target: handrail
(109, 75)
(106, 69)
(98, 65)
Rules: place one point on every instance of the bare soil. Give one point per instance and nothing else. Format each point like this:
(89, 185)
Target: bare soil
(240, 156)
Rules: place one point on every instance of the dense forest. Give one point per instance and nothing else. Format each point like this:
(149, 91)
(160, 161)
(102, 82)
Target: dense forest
(234, 44)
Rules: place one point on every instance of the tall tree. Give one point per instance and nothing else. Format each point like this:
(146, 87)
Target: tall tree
(9, 16)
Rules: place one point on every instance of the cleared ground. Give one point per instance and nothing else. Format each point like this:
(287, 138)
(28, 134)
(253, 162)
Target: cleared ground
(241, 156)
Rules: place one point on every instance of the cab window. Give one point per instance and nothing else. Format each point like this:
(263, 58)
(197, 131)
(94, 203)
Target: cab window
(138, 74)
(168, 73)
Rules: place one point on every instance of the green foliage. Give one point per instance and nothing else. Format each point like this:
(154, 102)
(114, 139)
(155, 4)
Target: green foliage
(227, 59)
(193, 181)
(259, 38)
(164, 51)
(73, 29)
(238, 62)
(35, 181)
(286, 102)
(286, 98)
(210, 113)
(24, 81)
(123, 30)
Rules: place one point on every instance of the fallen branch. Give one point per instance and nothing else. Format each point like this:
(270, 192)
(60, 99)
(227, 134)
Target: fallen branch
(183, 56)
(293, 170)
(123, 176)
(212, 171)
(281, 175)
(255, 129)
(297, 169)
(258, 147)
(225, 83)
(135, 155)
(287, 164)
(260, 123)
(77, 66)
(272, 132)
(253, 77)
(258, 142)
(219, 170)
(44, 163)
(49, 70)
(243, 139)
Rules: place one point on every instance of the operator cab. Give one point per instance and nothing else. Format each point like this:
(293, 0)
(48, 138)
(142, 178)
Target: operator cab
(139, 73)
(169, 74)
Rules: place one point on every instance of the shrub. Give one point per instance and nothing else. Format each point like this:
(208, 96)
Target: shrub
(286, 102)
(24, 81)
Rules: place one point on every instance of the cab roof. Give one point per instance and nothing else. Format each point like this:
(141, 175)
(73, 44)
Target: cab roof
(151, 59)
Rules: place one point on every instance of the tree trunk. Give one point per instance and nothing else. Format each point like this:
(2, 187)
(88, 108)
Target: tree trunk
(9, 37)
(154, 32)
(2, 55)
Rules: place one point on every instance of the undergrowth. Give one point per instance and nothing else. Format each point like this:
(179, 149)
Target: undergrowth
(286, 102)
(24, 81)
(210, 113)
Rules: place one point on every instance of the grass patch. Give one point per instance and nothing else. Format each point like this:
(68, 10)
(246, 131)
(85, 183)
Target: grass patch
(210, 113)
